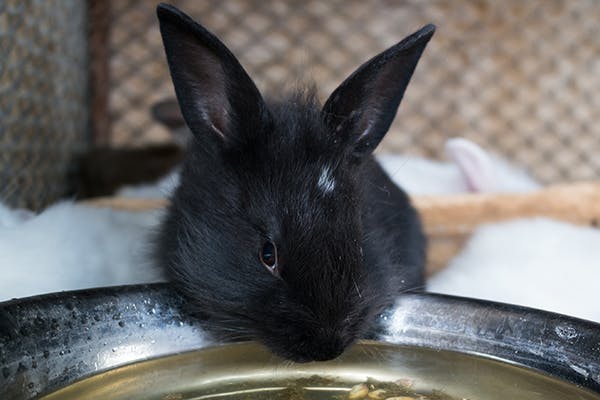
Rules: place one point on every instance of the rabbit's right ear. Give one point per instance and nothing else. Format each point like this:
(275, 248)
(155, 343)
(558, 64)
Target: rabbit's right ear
(217, 97)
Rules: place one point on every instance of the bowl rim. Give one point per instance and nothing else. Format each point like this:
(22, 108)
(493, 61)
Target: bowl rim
(52, 340)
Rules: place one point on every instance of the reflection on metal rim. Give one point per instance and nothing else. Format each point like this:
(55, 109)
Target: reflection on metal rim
(565, 347)
(49, 341)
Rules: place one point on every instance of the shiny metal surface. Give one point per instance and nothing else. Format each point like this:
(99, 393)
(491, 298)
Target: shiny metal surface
(47, 342)
(565, 347)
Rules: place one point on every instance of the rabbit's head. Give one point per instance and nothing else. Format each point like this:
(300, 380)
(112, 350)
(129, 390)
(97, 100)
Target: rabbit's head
(264, 234)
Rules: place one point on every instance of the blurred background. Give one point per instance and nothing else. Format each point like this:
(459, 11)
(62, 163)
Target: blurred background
(520, 78)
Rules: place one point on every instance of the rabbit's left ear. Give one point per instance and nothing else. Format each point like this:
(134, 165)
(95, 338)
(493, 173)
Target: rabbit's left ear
(363, 107)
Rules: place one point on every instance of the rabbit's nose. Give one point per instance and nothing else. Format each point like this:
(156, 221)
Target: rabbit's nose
(327, 348)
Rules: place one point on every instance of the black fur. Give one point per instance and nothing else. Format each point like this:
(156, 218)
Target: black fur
(288, 171)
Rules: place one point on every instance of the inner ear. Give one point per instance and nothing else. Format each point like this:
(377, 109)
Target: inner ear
(206, 94)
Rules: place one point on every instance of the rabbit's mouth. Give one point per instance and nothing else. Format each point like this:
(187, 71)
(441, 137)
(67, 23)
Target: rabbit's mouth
(314, 351)
(318, 345)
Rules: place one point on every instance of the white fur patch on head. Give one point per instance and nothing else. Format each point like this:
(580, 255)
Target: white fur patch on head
(326, 182)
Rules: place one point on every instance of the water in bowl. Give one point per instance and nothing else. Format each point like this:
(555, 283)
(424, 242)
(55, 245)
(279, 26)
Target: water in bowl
(248, 372)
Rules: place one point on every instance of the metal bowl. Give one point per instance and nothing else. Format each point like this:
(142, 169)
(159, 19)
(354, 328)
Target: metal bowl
(467, 347)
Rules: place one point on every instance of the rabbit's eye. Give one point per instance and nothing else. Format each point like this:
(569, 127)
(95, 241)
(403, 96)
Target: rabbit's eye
(268, 257)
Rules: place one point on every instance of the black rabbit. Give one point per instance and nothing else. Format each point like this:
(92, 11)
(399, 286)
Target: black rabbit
(284, 228)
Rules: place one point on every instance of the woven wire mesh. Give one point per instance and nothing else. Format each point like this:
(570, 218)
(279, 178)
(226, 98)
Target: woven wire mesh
(43, 80)
(520, 78)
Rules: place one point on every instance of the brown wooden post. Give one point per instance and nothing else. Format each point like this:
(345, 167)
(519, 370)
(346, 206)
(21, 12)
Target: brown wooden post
(99, 78)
